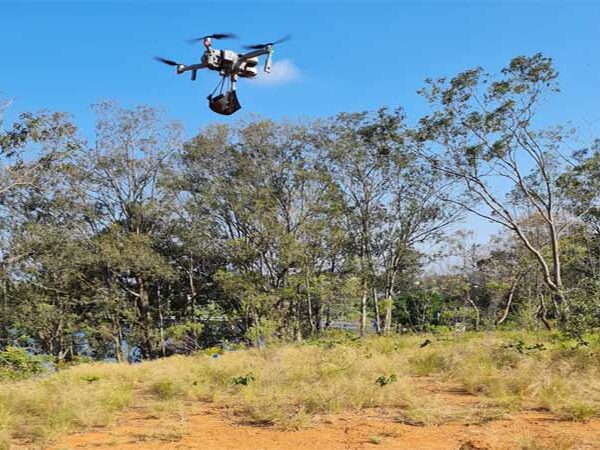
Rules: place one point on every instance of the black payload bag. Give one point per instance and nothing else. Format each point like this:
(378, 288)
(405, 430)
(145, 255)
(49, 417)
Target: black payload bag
(225, 104)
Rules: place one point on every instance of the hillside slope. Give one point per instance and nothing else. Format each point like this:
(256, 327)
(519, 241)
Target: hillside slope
(495, 391)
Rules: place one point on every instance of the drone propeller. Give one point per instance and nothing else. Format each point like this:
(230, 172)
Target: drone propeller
(213, 36)
(259, 46)
(168, 62)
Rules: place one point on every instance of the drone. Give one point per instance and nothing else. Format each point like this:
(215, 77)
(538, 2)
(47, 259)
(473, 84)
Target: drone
(230, 65)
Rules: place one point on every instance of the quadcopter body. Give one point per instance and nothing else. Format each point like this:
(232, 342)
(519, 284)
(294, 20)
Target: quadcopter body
(231, 65)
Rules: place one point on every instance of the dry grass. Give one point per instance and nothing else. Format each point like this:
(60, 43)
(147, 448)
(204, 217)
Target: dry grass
(290, 385)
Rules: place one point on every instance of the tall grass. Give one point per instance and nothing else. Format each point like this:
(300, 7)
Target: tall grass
(291, 385)
(550, 373)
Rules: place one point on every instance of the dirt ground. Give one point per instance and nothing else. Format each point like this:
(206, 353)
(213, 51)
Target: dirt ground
(211, 428)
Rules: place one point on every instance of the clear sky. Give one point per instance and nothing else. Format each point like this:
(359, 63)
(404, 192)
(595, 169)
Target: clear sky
(344, 56)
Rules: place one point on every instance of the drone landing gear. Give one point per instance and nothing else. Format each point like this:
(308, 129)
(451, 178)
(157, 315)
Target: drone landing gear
(224, 103)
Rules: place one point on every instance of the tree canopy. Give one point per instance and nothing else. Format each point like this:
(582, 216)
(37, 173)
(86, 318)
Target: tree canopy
(140, 243)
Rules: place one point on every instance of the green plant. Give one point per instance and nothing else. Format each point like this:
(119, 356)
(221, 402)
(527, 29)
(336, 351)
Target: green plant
(383, 380)
(90, 378)
(243, 380)
(375, 440)
(520, 347)
(165, 389)
(16, 363)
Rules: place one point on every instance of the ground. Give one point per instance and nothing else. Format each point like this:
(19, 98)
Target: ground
(205, 426)
(464, 391)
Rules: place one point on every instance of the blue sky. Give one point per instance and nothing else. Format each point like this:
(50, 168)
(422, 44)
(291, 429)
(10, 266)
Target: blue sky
(345, 55)
(348, 55)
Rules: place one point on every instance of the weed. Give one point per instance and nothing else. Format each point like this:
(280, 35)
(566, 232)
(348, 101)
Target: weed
(579, 411)
(16, 364)
(243, 380)
(90, 378)
(288, 385)
(375, 439)
(520, 347)
(563, 443)
(427, 364)
(165, 389)
(383, 380)
(167, 436)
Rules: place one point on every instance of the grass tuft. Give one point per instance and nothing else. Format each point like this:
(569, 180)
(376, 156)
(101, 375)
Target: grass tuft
(290, 386)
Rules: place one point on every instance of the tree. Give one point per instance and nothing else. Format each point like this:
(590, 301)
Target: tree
(363, 152)
(482, 136)
(413, 216)
(391, 204)
(268, 202)
(581, 185)
(31, 153)
(120, 182)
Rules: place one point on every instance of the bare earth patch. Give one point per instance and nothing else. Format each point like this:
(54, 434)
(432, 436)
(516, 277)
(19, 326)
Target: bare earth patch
(205, 426)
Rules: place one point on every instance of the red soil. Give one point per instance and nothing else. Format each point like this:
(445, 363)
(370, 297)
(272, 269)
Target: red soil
(208, 427)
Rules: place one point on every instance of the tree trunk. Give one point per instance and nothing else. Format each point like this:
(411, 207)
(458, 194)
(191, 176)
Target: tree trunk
(298, 327)
(311, 320)
(477, 315)
(318, 314)
(4, 327)
(192, 296)
(377, 315)
(143, 304)
(542, 313)
(509, 299)
(117, 339)
(389, 305)
(161, 322)
(363, 311)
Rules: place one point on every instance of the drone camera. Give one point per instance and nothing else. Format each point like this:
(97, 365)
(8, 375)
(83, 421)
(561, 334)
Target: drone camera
(251, 62)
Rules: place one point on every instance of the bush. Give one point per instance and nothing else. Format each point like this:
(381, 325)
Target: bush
(17, 364)
(165, 389)
(184, 338)
(583, 314)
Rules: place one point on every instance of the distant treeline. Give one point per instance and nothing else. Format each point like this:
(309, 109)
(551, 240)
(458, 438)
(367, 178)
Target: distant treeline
(143, 242)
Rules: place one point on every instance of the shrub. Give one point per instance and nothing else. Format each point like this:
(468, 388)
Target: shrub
(243, 380)
(383, 380)
(583, 315)
(165, 389)
(16, 364)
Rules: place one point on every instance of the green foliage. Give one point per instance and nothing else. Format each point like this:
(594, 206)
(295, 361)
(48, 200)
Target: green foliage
(583, 312)
(259, 232)
(212, 351)
(521, 347)
(90, 378)
(334, 338)
(165, 389)
(184, 337)
(262, 332)
(383, 380)
(17, 363)
(419, 308)
(243, 380)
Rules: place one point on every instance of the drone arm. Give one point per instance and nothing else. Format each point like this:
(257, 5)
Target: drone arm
(193, 67)
(268, 50)
(255, 53)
